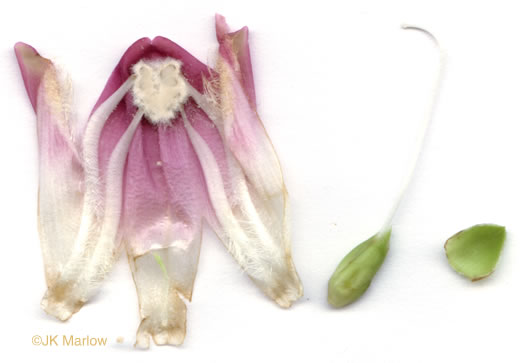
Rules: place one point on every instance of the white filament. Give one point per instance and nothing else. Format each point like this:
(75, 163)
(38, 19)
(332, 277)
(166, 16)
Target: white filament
(254, 256)
(102, 257)
(93, 194)
(208, 108)
(91, 210)
(424, 128)
(214, 182)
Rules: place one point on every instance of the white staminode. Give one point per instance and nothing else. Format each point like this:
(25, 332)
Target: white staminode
(160, 89)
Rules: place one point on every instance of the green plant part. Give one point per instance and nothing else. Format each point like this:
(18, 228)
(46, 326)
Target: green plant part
(474, 252)
(356, 271)
(162, 265)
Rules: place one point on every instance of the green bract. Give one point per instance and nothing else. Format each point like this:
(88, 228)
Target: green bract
(356, 271)
(474, 252)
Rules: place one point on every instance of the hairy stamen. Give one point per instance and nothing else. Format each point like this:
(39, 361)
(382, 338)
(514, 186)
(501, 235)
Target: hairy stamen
(160, 89)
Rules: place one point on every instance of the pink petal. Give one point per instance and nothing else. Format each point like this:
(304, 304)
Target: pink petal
(235, 50)
(165, 200)
(252, 226)
(33, 68)
(163, 216)
(60, 171)
(161, 225)
(244, 132)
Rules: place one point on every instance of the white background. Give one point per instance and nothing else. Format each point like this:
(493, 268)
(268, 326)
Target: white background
(342, 91)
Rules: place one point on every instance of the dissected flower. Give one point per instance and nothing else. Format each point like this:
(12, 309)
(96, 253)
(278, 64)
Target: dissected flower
(474, 252)
(169, 143)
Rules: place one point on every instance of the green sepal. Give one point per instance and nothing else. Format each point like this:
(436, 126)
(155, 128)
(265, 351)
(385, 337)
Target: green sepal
(474, 252)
